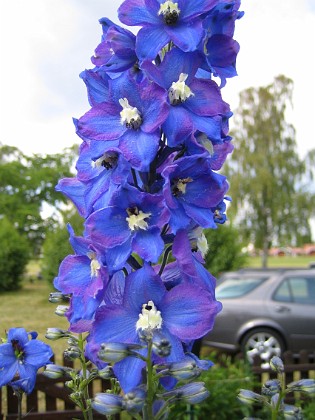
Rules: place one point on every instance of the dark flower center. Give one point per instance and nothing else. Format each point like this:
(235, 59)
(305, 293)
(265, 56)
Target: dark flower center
(170, 17)
(179, 186)
(109, 160)
(18, 349)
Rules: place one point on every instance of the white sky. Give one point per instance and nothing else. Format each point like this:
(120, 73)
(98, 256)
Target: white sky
(45, 44)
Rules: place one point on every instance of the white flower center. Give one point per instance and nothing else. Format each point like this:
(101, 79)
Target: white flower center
(168, 7)
(150, 318)
(206, 143)
(130, 116)
(202, 244)
(179, 91)
(94, 265)
(180, 186)
(108, 161)
(136, 219)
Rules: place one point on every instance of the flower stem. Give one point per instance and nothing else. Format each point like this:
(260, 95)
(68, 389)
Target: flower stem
(276, 409)
(87, 410)
(148, 408)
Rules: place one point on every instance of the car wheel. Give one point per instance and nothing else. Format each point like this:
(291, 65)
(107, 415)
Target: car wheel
(263, 342)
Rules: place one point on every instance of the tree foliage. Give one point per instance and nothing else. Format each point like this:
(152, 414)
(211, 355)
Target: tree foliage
(270, 200)
(14, 255)
(56, 246)
(225, 250)
(26, 183)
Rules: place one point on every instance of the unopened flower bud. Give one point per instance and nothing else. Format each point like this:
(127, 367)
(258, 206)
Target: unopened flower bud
(55, 371)
(72, 353)
(61, 310)
(192, 393)
(184, 370)
(134, 401)
(106, 373)
(271, 387)
(114, 352)
(161, 345)
(56, 333)
(276, 364)
(58, 297)
(107, 404)
(72, 341)
(249, 397)
(290, 412)
(303, 385)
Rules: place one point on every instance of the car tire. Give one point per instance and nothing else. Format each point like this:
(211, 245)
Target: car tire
(262, 342)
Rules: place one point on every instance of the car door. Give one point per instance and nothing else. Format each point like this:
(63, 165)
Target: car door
(292, 305)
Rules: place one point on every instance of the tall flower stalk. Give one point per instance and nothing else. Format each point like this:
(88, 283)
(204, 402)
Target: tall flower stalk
(147, 183)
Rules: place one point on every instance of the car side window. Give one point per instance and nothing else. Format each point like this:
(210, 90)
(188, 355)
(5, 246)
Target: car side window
(297, 290)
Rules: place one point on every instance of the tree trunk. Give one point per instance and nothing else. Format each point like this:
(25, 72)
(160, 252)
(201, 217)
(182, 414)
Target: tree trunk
(264, 257)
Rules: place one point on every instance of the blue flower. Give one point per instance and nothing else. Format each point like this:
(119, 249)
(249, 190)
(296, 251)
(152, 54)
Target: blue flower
(196, 104)
(191, 191)
(221, 49)
(116, 52)
(165, 21)
(182, 314)
(20, 358)
(132, 116)
(84, 277)
(101, 169)
(131, 223)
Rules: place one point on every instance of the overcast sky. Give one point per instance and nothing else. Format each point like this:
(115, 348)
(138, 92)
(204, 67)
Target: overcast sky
(45, 44)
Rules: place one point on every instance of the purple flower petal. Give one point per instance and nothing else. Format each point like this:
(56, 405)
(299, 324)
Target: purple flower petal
(189, 312)
(148, 244)
(186, 37)
(150, 40)
(102, 122)
(136, 12)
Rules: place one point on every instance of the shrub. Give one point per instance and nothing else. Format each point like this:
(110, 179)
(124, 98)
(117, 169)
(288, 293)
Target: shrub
(56, 246)
(14, 256)
(225, 250)
(223, 380)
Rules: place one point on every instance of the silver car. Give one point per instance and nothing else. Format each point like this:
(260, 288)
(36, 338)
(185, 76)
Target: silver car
(265, 312)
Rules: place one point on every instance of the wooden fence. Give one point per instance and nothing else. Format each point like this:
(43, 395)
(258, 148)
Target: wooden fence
(50, 397)
(301, 366)
(48, 401)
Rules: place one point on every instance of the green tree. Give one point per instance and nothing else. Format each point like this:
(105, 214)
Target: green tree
(14, 255)
(56, 245)
(225, 250)
(26, 184)
(270, 201)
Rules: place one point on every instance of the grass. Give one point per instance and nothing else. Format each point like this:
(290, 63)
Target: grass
(285, 261)
(29, 308)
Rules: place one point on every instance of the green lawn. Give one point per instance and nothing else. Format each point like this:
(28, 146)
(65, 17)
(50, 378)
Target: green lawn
(29, 308)
(286, 261)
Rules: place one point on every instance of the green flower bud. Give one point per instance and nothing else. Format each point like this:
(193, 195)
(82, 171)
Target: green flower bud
(107, 404)
(276, 364)
(303, 385)
(56, 333)
(114, 352)
(61, 310)
(249, 397)
(55, 371)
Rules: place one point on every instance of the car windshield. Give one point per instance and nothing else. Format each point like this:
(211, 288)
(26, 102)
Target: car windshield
(234, 287)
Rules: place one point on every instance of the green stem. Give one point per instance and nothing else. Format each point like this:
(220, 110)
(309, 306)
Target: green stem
(275, 411)
(148, 409)
(87, 410)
